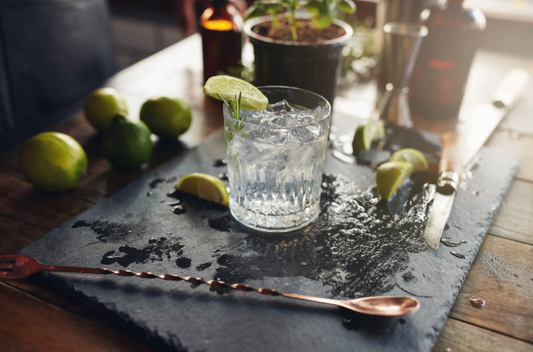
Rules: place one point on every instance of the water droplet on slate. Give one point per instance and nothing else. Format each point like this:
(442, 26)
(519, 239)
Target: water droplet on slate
(220, 163)
(449, 243)
(458, 255)
(183, 263)
(223, 176)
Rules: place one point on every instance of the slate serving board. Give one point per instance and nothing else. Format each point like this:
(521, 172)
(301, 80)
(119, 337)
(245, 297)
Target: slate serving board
(357, 247)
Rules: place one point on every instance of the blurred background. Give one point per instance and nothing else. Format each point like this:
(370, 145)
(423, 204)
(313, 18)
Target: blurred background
(55, 52)
(143, 27)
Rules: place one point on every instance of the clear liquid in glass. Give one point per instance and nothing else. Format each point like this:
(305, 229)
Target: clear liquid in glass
(275, 165)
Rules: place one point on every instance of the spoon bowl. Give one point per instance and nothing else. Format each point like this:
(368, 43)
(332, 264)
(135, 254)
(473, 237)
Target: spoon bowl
(386, 306)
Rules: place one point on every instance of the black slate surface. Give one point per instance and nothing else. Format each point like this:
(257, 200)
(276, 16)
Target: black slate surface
(357, 247)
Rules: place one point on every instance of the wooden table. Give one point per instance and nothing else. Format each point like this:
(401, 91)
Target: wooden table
(35, 317)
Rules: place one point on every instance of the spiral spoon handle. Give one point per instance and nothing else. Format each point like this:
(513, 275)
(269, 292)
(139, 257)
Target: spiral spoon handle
(14, 266)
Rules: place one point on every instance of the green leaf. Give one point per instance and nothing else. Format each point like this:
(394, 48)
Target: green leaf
(324, 21)
(254, 11)
(262, 8)
(313, 7)
(326, 14)
(346, 6)
(294, 4)
(277, 6)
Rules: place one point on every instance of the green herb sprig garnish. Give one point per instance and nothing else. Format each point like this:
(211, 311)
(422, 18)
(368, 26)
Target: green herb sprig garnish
(234, 107)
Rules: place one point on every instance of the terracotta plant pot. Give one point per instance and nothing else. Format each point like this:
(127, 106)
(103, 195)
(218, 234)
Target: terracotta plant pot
(315, 67)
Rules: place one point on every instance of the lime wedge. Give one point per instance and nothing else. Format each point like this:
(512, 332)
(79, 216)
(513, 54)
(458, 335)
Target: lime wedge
(413, 157)
(367, 133)
(229, 87)
(391, 176)
(204, 186)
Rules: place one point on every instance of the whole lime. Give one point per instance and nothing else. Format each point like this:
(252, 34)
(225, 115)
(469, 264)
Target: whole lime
(127, 144)
(166, 117)
(102, 105)
(53, 161)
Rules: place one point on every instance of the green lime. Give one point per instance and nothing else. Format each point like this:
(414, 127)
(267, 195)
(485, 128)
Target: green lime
(126, 144)
(166, 117)
(204, 186)
(102, 105)
(229, 87)
(390, 176)
(53, 161)
(367, 133)
(413, 157)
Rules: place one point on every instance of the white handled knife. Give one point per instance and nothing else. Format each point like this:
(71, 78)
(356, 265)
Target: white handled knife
(460, 146)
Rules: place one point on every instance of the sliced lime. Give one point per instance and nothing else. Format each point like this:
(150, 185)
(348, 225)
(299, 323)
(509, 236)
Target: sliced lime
(204, 186)
(229, 87)
(391, 176)
(412, 156)
(367, 133)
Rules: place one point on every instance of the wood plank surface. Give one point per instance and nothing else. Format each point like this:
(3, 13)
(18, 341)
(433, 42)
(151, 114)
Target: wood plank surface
(44, 327)
(502, 275)
(16, 234)
(458, 336)
(19, 200)
(521, 145)
(515, 217)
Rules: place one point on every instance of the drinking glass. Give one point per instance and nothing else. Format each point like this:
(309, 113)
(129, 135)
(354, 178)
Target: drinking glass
(275, 160)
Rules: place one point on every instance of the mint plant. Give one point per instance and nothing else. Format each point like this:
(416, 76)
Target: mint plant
(322, 11)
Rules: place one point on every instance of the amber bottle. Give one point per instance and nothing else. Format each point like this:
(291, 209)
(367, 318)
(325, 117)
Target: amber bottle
(439, 78)
(221, 30)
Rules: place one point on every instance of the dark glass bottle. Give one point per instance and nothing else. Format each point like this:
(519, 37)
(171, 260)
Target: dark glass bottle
(221, 29)
(439, 78)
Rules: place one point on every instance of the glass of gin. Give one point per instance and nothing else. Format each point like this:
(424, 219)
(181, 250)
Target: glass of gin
(275, 160)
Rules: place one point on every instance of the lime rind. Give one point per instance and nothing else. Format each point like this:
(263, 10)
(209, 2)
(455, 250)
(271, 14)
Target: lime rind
(167, 117)
(127, 144)
(359, 142)
(53, 162)
(204, 186)
(412, 156)
(229, 88)
(390, 176)
(102, 105)
(367, 133)
(379, 129)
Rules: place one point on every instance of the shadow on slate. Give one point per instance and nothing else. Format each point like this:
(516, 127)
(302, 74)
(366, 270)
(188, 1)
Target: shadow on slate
(357, 247)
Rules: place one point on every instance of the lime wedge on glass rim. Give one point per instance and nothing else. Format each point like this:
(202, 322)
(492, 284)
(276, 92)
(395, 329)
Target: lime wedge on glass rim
(390, 176)
(204, 186)
(229, 88)
(413, 157)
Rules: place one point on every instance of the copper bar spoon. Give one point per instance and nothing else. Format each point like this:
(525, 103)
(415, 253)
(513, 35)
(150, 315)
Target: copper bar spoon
(15, 266)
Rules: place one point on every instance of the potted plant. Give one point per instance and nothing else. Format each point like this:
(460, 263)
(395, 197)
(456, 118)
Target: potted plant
(292, 49)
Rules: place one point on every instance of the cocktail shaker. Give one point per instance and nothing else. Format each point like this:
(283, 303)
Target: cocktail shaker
(388, 11)
(402, 41)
